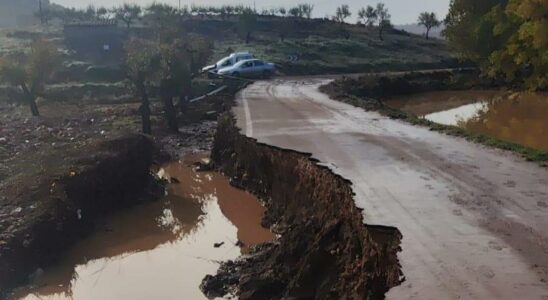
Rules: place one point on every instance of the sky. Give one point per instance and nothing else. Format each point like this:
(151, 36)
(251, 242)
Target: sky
(402, 11)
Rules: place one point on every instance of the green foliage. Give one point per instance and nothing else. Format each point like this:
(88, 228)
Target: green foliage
(368, 16)
(506, 37)
(306, 10)
(428, 20)
(31, 73)
(127, 13)
(142, 62)
(383, 18)
(342, 13)
(12, 73)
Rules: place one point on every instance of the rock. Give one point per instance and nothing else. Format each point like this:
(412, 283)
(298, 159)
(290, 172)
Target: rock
(16, 210)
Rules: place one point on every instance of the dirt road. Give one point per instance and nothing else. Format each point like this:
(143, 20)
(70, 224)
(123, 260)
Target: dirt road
(474, 220)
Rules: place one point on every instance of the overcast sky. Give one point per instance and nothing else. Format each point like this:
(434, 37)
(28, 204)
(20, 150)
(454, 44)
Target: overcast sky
(403, 11)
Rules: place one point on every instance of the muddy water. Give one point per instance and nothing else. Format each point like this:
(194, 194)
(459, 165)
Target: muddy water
(159, 250)
(516, 117)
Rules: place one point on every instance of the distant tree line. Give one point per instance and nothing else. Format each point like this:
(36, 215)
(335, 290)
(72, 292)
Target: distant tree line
(128, 13)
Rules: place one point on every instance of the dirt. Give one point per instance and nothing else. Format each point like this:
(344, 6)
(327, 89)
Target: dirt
(325, 251)
(159, 249)
(455, 202)
(76, 162)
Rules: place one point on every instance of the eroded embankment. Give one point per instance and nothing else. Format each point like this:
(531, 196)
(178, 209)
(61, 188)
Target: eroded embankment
(325, 250)
(59, 210)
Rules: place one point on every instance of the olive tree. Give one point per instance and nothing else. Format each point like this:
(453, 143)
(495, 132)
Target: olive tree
(127, 13)
(342, 13)
(383, 17)
(31, 74)
(428, 20)
(141, 66)
(306, 10)
(180, 61)
(368, 16)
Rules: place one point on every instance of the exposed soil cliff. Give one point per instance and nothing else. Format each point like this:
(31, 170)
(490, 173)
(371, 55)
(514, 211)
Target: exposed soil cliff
(325, 251)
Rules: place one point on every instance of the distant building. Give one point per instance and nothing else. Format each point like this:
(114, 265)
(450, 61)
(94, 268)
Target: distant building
(100, 39)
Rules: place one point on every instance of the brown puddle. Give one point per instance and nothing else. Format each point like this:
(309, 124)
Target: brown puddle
(159, 250)
(520, 118)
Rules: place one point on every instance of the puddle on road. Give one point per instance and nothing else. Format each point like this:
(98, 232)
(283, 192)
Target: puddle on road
(159, 250)
(521, 118)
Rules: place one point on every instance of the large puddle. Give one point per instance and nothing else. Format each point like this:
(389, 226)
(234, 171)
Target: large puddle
(520, 117)
(159, 250)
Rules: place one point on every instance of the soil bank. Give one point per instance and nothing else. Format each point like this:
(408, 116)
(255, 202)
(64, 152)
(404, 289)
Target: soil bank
(325, 250)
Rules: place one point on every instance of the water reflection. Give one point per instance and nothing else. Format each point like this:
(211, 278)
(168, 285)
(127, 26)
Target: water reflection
(517, 117)
(159, 250)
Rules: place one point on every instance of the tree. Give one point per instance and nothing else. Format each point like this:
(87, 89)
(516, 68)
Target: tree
(164, 19)
(342, 13)
(370, 16)
(247, 23)
(295, 12)
(181, 60)
(383, 17)
(127, 13)
(306, 10)
(507, 38)
(101, 13)
(173, 71)
(428, 20)
(142, 69)
(41, 12)
(282, 11)
(31, 75)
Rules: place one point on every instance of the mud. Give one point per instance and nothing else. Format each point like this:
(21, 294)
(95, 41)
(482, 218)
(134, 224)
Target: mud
(325, 251)
(55, 212)
(161, 249)
(456, 203)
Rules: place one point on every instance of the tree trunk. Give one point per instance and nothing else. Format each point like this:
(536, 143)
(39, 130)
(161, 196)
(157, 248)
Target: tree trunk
(34, 108)
(380, 33)
(144, 109)
(169, 110)
(248, 37)
(427, 33)
(41, 12)
(31, 99)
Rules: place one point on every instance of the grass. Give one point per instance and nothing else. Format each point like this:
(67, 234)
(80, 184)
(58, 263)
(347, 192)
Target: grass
(366, 92)
(321, 48)
(530, 154)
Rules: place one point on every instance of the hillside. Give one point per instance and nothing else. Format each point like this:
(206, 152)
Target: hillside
(319, 46)
(420, 30)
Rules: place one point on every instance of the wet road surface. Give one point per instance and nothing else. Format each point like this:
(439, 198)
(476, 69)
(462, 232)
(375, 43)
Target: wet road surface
(474, 220)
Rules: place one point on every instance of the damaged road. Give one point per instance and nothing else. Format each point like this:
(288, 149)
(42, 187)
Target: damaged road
(474, 220)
